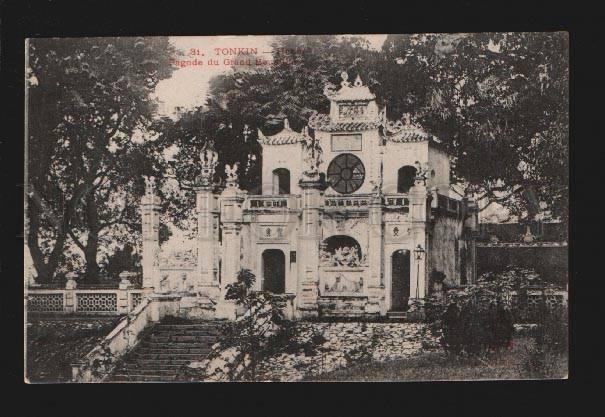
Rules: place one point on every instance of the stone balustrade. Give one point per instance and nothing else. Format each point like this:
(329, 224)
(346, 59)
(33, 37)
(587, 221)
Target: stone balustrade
(397, 201)
(96, 299)
(353, 202)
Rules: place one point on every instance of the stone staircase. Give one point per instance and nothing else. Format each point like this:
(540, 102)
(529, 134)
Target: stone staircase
(166, 348)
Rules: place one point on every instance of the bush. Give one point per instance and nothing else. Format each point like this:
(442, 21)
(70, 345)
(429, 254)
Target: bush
(475, 320)
(260, 332)
(552, 333)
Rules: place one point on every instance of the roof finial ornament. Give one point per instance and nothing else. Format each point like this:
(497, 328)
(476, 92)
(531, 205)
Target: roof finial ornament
(345, 79)
(358, 82)
(232, 176)
(149, 185)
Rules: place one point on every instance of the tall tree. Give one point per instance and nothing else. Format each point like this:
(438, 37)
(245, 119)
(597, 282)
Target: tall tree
(499, 102)
(242, 101)
(86, 99)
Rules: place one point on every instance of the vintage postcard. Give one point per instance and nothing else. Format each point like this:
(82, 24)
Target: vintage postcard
(297, 208)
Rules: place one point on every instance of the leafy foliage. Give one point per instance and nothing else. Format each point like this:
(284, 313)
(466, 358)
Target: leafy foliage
(123, 259)
(479, 318)
(87, 98)
(497, 101)
(260, 332)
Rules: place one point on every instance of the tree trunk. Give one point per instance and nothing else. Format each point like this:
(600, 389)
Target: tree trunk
(92, 243)
(45, 268)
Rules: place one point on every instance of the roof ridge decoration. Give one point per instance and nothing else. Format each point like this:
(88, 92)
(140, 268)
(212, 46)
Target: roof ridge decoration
(286, 136)
(323, 123)
(348, 92)
(404, 130)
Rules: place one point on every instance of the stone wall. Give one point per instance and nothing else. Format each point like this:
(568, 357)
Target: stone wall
(442, 252)
(345, 344)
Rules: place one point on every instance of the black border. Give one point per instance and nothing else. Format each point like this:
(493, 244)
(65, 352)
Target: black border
(22, 19)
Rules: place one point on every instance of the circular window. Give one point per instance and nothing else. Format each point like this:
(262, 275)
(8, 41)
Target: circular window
(346, 173)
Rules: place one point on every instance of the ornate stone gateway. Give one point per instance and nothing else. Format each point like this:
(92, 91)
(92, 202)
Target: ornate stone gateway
(400, 280)
(339, 202)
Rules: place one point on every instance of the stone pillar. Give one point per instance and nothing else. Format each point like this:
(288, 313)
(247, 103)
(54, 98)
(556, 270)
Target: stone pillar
(418, 215)
(150, 212)
(309, 239)
(375, 254)
(207, 241)
(232, 199)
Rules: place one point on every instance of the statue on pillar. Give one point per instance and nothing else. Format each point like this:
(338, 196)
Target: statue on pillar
(149, 186)
(208, 162)
(422, 173)
(232, 177)
(312, 156)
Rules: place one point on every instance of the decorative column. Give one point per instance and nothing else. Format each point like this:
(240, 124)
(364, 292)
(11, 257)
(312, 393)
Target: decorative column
(375, 252)
(418, 196)
(207, 242)
(232, 199)
(309, 237)
(150, 212)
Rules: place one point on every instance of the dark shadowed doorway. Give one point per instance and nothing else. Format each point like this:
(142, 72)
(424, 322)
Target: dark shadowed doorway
(400, 280)
(274, 271)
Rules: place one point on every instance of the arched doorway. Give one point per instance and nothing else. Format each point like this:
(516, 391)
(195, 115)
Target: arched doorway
(281, 181)
(400, 280)
(274, 271)
(405, 178)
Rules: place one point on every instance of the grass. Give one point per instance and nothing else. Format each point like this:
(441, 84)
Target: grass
(520, 362)
(53, 345)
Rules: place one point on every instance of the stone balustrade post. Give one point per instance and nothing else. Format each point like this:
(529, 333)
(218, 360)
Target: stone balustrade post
(124, 286)
(70, 294)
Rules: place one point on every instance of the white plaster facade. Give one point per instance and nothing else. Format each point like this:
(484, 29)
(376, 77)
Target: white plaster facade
(353, 215)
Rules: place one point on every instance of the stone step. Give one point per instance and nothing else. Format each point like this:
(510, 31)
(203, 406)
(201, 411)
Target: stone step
(163, 352)
(161, 362)
(178, 327)
(141, 378)
(172, 351)
(397, 315)
(177, 356)
(183, 339)
(180, 343)
(199, 333)
(151, 371)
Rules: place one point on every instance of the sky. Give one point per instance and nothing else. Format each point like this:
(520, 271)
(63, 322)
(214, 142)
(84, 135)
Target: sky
(188, 85)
